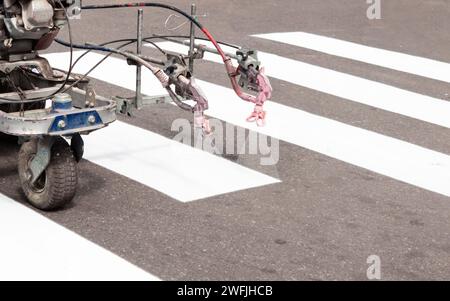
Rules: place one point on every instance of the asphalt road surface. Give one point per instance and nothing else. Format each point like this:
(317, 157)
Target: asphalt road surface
(361, 112)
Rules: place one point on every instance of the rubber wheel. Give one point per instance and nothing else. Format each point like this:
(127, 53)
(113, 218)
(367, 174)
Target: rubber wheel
(56, 187)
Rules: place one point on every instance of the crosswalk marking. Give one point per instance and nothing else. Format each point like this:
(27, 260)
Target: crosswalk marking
(35, 248)
(388, 156)
(347, 86)
(177, 170)
(385, 58)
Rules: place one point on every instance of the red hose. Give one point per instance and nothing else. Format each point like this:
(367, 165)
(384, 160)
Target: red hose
(231, 71)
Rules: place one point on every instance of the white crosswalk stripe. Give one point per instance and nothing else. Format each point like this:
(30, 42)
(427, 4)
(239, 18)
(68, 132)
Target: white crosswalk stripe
(180, 171)
(391, 157)
(346, 86)
(34, 248)
(385, 58)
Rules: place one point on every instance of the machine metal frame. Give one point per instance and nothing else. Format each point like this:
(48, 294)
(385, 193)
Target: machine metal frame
(43, 131)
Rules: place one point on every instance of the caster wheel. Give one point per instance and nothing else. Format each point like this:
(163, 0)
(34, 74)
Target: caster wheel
(56, 186)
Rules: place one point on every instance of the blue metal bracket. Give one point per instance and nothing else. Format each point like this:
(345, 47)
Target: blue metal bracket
(75, 121)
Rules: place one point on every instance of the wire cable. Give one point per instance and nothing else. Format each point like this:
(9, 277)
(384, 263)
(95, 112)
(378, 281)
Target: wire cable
(89, 49)
(232, 72)
(129, 42)
(94, 67)
(164, 6)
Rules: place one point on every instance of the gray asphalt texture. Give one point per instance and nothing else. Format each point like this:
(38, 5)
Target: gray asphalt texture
(326, 217)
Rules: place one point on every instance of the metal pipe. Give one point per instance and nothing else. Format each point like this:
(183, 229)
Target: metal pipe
(177, 101)
(192, 39)
(140, 21)
(152, 60)
(205, 48)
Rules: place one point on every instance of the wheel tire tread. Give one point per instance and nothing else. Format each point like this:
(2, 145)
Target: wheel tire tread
(64, 174)
(61, 172)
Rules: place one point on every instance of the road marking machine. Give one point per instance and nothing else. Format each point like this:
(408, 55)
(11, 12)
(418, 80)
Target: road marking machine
(49, 109)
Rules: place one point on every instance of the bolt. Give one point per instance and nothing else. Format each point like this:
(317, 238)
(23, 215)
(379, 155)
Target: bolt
(76, 11)
(91, 119)
(61, 124)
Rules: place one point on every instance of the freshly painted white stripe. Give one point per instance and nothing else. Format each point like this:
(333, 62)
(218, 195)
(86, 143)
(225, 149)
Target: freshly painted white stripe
(180, 171)
(385, 58)
(34, 248)
(388, 156)
(347, 86)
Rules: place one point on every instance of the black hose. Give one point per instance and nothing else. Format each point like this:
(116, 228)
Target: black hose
(94, 67)
(102, 47)
(128, 42)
